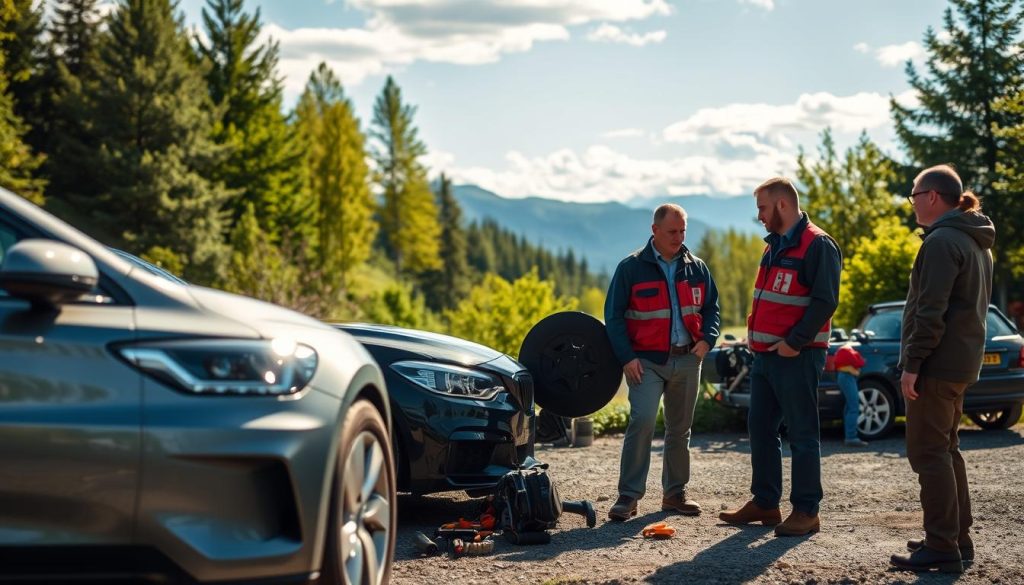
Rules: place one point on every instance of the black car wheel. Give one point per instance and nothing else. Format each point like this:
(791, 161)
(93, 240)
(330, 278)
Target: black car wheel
(996, 419)
(361, 528)
(877, 410)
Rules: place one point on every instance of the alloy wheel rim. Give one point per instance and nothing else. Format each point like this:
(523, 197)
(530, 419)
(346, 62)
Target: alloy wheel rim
(875, 411)
(992, 416)
(365, 524)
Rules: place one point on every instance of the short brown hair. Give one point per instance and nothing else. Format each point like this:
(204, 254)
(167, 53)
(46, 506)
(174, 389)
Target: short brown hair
(944, 180)
(780, 187)
(666, 208)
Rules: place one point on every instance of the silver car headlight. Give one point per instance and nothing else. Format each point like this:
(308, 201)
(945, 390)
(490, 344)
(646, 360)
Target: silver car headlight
(226, 366)
(450, 380)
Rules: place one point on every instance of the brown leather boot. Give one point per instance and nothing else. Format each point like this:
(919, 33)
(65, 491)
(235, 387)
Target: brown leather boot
(680, 503)
(798, 524)
(751, 512)
(623, 509)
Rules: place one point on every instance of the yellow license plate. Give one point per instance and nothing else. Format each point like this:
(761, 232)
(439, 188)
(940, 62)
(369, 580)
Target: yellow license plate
(991, 359)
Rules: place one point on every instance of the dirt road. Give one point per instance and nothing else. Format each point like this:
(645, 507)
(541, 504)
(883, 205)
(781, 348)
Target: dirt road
(870, 510)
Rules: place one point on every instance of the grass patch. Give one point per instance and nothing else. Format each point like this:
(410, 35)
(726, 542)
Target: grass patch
(709, 416)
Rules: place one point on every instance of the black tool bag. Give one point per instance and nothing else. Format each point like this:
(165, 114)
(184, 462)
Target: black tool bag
(526, 501)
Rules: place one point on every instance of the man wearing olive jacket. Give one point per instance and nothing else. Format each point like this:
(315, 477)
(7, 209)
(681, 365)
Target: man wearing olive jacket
(662, 318)
(941, 352)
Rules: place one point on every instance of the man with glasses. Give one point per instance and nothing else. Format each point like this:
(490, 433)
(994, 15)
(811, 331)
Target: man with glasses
(941, 352)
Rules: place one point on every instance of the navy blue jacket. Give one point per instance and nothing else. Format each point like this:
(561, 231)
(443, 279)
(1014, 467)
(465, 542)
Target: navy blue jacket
(642, 266)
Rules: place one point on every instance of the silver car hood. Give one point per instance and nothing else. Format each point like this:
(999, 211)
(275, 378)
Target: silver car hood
(264, 319)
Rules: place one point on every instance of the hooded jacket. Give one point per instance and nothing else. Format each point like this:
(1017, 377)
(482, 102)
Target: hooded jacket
(947, 305)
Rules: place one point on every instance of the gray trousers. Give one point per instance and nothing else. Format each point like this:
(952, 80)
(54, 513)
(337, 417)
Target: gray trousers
(679, 382)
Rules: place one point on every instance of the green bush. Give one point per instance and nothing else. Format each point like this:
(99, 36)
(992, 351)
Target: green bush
(709, 416)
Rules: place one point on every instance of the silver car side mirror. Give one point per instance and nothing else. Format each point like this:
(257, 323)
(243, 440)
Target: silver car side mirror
(46, 272)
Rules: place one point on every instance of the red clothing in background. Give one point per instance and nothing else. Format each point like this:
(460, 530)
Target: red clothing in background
(849, 360)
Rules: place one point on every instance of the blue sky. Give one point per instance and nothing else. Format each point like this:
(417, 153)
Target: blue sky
(598, 100)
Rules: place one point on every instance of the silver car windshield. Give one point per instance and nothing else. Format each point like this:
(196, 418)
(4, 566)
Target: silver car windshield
(151, 268)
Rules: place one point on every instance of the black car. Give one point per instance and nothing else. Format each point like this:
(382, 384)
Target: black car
(463, 413)
(994, 402)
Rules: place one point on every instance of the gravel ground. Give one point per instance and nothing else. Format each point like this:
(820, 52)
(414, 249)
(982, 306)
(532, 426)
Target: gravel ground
(870, 510)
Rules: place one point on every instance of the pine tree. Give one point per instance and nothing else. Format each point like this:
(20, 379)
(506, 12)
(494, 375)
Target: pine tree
(1010, 233)
(17, 161)
(847, 197)
(976, 62)
(74, 57)
(24, 65)
(150, 121)
(408, 213)
(337, 174)
(263, 161)
(481, 249)
(445, 287)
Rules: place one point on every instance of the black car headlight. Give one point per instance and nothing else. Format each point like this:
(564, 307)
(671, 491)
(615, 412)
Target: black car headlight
(450, 380)
(226, 366)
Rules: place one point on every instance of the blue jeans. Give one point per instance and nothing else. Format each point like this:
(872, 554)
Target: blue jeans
(851, 407)
(785, 390)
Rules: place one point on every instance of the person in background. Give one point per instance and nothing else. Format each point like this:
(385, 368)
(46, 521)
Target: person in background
(848, 364)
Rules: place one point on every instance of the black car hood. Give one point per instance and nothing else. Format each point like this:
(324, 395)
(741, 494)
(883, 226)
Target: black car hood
(433, 346)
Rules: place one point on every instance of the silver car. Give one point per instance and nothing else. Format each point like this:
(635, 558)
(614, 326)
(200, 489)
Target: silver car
(149, 426)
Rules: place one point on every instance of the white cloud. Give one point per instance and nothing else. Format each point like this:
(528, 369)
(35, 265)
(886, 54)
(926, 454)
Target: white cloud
(894, 55)
(602, 174)
(609, 33)
(770, 124)
(727, 150)
(624, 133)
(465, 32)
(897, 55)
(765, 4)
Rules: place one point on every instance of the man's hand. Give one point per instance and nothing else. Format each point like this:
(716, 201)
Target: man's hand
(701, 349)
(633, 370)
(784, 349)
(908, 382)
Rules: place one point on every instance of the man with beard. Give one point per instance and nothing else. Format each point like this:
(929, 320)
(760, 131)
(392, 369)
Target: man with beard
(795, 294)
(942, 347)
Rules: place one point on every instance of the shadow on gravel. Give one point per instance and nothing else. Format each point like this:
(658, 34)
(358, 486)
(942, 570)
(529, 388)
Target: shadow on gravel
(898, 577)
(971, 438)
(736, 559)
(609, 534)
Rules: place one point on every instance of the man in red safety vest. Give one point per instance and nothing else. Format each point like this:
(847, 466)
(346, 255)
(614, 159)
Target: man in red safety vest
(662, 317)
(795, 294)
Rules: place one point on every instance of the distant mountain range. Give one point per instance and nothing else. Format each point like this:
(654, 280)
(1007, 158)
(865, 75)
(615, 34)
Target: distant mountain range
(603, 233)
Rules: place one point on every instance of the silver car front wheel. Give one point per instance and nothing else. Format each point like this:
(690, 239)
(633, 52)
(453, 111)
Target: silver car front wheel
(361, 531)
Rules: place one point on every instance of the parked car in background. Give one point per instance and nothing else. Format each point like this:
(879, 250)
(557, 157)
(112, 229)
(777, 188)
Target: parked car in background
(994, 402)
(149, 427)
(463, 413)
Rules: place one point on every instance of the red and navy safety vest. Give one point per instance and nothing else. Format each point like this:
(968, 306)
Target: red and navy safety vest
(780, 299)
(649, 316)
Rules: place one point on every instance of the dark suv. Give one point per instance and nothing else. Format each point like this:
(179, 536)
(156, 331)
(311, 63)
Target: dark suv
(994, 402)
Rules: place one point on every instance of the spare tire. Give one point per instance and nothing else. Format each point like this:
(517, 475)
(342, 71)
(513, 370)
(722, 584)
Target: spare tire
(575, 372)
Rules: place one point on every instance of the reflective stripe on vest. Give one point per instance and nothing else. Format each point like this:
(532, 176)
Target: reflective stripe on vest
(649, 316)
(780, 299)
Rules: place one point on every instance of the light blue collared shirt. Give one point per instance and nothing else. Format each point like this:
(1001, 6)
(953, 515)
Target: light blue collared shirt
(680, 336)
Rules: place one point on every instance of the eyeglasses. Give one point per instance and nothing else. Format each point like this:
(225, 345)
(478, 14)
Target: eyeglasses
(910, 197)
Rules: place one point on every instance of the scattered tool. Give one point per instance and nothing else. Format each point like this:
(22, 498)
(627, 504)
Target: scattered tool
(659, 530)
(424, 545)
